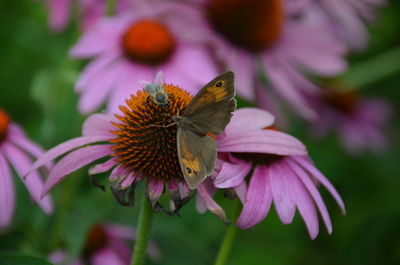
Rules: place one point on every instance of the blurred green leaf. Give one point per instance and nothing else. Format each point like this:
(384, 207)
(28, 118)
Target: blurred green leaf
(14, 259)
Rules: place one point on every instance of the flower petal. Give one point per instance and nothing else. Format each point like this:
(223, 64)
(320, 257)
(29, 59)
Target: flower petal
(74, 161)
(258, 199)
(33, 182)
(249, 119)
(281, 193)
(98, 124)
(106, 256)
(7, 193)
(307, 165)
(66, 147)
(103, 167)
(231, 175)
(155, 189)
(210, 203)
(261, 141)
(303, 201)
(305, 178)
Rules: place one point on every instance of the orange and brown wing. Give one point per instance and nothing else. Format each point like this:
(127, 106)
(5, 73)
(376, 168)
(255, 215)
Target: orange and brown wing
(211, 109)
(197, 156)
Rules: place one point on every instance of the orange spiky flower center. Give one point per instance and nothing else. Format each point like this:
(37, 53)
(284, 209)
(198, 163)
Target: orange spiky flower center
(145, 136)
(4, 122)
(148, 42)
(260, 158)
(96, 239)
(254, 25)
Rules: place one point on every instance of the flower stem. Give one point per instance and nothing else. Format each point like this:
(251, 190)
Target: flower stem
(229, 238)
(143, 232)
(374, 69)
(111, 4)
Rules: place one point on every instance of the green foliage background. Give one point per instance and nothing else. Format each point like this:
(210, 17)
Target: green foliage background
(37, 78)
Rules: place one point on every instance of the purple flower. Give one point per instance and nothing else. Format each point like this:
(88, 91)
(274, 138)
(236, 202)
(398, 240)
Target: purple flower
(359, 122)
(273, 167)
(138, 145)
(17, 151)
(90, 11)
(131, 47)
(247, 32)
(346, 19)
(105, 244)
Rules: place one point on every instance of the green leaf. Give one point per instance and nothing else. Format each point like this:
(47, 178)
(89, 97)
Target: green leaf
(15, 259)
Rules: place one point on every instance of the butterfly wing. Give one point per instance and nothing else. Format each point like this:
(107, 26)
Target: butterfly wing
(197, 156)
(211, 109)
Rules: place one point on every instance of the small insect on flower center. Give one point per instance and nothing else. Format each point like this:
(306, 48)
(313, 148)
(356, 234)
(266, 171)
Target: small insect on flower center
(254, 25)
(4, 122)
(96, 239)
(148, 42)
(145, 136)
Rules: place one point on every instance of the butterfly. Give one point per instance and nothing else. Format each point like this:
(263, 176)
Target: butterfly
(206, 115)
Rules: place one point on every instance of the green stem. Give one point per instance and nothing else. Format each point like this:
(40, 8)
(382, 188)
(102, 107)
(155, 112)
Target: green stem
(111, 4)
(229, 238)
(143, 232)
(374, 69)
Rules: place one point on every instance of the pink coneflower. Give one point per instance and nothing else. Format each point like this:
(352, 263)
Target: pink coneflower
(18, 151)
(131, 47)
(104, 244)
(347, 19)
(90, 11)
(277, 169)
(136, 151)
(359, 122)
(243, 31)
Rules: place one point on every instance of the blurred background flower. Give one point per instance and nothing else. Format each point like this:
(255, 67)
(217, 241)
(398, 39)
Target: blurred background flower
(285, 55)
(16, 153)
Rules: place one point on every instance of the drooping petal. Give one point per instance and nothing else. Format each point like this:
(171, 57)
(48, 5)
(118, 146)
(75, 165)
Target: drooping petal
(261, 141)
(258, 199)
(18, 138)
(33, 181)
(231, 175)
(102, 37)
(59, 14)
(103, 167)
(241, 191)
(155, 190)
(313, 191)
(65, 147)
(307, 165)
(98, 124)
(7, 196)
(74, 161)
(303, 201)
(210, 203)
(106, 256)
(92, 70)
(247, 119)
(98, 90)
(281, 193)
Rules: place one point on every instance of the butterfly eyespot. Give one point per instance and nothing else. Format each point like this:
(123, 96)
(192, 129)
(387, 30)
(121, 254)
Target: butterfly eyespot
(219, 84)
(188, 170)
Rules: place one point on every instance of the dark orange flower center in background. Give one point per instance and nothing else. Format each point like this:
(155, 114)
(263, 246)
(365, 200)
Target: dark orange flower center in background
(340, 96)
(145, 140)
(4, 122)
(96, 239)
(148, 42)
(254, 25)
(260, 158)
